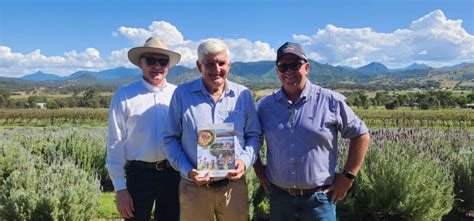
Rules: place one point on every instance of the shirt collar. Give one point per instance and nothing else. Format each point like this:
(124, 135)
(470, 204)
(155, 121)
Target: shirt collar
(154, 89)
(305, 94)
(199, 86)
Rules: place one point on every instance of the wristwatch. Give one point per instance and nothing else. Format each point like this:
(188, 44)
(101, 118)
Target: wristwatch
(348, 174)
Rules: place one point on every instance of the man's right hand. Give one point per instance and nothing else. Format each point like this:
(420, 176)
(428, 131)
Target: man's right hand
(261, 174)
(199, 181)
(124, 203)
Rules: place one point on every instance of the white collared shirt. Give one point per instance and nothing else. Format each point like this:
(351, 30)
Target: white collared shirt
(136, 120)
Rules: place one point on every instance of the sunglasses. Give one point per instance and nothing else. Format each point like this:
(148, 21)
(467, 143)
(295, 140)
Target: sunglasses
(293, 66)
(153, 61)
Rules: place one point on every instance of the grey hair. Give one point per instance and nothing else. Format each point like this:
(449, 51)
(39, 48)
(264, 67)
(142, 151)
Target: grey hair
(212, 46)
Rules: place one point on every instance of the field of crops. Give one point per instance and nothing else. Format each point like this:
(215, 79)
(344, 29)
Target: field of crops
(416, 174)
(403, 117)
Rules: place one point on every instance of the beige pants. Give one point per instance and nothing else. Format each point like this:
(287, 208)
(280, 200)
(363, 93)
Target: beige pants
(227, 203)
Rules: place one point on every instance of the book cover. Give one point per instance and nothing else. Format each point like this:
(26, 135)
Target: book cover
(215, 149)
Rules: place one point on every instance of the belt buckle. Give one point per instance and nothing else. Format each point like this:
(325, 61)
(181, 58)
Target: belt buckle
(158, 166)
(294, 192)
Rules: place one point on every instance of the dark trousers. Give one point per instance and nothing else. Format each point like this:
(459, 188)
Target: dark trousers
(148, 186)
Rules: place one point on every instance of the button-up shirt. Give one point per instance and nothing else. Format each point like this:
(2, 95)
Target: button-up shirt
(136, 121)
(193, 106)
(302, 137)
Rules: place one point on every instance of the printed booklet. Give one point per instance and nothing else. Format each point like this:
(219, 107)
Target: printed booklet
(215, 150)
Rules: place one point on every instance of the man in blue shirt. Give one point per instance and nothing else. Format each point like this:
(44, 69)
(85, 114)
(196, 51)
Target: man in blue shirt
(301, 122)
(212, 100)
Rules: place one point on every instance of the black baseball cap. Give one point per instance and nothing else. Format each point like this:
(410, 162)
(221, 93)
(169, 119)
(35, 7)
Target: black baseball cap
(291, 48)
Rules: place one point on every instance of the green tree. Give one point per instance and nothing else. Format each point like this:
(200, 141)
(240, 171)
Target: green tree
(364, 100)
(4, 97)
(51, 104)
(91, 99)
(381, 98)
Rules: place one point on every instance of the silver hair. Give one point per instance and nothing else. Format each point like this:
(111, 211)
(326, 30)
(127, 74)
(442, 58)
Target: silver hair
(212, 46)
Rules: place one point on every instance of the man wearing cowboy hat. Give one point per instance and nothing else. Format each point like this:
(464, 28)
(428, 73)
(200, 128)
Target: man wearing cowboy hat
(135, 159)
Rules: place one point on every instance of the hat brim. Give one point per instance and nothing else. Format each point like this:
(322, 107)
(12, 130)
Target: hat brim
(134, 55)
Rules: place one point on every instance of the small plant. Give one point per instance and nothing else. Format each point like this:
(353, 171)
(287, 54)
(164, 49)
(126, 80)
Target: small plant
(13, 157)
(61, 191)
(464, 181)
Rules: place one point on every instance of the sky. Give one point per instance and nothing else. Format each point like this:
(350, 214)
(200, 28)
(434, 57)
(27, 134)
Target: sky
(62, 37)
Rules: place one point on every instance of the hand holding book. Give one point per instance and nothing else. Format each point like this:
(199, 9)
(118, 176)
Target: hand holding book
(238, 172)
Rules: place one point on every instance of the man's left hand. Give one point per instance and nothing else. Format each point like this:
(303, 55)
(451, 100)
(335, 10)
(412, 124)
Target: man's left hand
(339, 188)
(238, 172)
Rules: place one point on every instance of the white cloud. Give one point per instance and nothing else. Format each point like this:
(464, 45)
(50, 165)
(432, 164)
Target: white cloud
(433, 39)
(167, 32)
(241, 49)
(16, 64)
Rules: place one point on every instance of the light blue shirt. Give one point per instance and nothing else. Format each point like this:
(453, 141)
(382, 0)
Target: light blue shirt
(302, 137)
(192, 106)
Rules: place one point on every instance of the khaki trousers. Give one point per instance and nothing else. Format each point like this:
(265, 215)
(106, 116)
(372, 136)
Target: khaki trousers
(203, 203)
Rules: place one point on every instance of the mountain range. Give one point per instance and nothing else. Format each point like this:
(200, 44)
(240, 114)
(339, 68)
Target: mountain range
(262, 74)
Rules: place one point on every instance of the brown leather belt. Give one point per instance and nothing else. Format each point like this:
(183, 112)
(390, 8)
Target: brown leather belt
(301, 192)
(160, 165)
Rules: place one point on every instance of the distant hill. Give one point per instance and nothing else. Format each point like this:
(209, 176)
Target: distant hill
(417, 66)
(41, 76)
(373, 68)
(414, 66)
(262, 74)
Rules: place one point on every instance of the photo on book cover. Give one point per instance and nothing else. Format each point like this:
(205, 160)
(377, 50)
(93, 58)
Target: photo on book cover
(215, 149)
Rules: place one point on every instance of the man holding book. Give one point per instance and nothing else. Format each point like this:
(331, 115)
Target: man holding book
(204, 115)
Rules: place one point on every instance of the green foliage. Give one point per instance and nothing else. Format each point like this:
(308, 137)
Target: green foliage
(61, 191)
(52, 104)
(84, 146)
(415, 174)
(464, 180)
(107, 208)
(46, 117)
(259, 206)
(13, 157)
(404, 182)
(406, 117)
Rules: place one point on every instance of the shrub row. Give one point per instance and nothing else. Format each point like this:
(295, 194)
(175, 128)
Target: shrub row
(413, 174)
(38, 183)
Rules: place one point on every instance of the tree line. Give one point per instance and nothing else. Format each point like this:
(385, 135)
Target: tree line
(91, 98)
(425, 100)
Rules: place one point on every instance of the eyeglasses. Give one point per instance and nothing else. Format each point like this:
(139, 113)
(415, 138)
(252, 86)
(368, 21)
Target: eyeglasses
(153, 61)
(293, 66)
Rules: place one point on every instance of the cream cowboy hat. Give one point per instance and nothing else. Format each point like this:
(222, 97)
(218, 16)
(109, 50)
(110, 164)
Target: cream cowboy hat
(153, 45)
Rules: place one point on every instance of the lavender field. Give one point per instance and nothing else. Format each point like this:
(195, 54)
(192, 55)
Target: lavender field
(412, 173)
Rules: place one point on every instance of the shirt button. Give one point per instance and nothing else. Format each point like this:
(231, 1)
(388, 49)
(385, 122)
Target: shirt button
(292, 158)
(293, 172)
(294, 186)
(292, 145)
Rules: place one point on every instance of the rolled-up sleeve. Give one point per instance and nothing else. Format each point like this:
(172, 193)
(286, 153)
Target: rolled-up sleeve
(349, 124)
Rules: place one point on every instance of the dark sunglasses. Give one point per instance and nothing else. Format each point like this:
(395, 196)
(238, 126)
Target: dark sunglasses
(293, 66)
(153, 61)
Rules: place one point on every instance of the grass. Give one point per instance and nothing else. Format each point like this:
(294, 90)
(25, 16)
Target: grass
(107, 209)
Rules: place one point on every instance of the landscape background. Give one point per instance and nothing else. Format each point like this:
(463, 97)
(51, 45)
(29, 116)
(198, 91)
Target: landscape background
(406, 68)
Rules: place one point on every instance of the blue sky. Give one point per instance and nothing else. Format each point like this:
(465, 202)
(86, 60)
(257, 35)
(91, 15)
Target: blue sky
(55, 37)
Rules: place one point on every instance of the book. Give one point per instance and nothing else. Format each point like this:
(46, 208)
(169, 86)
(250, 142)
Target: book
(215, 149)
